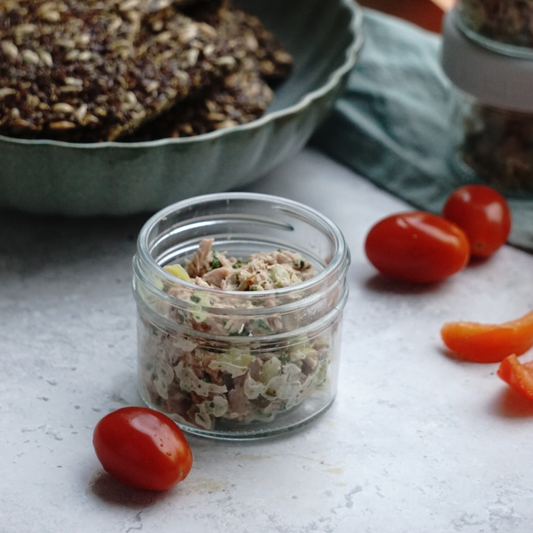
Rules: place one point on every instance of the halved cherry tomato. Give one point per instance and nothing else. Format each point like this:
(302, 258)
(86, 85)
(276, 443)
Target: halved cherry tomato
(417, 247)
(489, 343)
(142, 448)
(483, 214)
(518, 375)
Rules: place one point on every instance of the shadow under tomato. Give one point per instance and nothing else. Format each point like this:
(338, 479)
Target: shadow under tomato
(383, 284)
(107, 488)
(511, 404)
(476, 262)
(454, 356)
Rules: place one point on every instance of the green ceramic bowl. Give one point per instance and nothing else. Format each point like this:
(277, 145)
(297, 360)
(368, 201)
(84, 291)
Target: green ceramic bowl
(115, 178)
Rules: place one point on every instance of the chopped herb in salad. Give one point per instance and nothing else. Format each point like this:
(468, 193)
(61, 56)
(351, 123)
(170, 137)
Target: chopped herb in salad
(261, 271)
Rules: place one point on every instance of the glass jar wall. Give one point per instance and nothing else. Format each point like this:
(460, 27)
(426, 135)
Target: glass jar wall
(492, 145)
(239, 364)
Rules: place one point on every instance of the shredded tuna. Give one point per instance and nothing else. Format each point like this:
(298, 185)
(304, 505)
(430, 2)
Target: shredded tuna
(260, 272)
(201, 260)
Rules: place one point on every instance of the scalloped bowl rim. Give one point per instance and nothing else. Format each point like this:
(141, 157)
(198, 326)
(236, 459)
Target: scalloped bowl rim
(306, 100)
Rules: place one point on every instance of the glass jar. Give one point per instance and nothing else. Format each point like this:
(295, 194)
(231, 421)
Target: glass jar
(239, 364)
(505, 26)
(491, 113)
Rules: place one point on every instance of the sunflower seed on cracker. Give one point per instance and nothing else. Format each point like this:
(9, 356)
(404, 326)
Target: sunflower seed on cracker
(240, 98)
(256, 44)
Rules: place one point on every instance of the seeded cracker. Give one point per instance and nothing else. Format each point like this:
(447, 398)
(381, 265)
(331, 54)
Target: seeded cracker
(240, 98)
(94, 70)
(247, 33)
(243, 96)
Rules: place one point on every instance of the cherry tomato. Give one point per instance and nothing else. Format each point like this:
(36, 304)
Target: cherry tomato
(489, 343)
(417, 246)
(518, 375)
(142, 448)
(483, 214)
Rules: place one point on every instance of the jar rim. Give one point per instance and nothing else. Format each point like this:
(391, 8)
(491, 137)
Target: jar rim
(338, 262)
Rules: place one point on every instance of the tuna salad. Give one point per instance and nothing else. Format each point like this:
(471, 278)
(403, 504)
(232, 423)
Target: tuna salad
(506, 21)
(208, 369)
(260, 272)
(498, 146)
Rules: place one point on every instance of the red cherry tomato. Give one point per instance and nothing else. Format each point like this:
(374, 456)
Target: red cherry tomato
(489, 343)
(417, 246)
(483, 214)
(142, 448)
(518, 375)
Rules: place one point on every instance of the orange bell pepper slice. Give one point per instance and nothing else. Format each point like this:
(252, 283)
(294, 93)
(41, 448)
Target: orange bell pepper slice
(518, 375)
(489, 343)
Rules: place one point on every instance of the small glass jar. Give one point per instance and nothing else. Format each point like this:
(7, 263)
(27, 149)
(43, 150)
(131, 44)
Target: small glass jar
(491, 113)
(239, 364)
(505, 26)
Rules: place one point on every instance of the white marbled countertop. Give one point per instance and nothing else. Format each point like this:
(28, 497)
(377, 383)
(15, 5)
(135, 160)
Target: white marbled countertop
(416, 442)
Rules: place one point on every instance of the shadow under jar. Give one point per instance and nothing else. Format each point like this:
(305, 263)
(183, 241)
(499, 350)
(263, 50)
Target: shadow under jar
(239, 364)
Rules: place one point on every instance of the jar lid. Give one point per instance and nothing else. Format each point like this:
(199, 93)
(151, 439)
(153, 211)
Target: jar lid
(494, 79)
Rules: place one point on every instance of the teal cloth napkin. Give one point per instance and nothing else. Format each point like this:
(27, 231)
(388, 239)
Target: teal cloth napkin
(391, 124)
